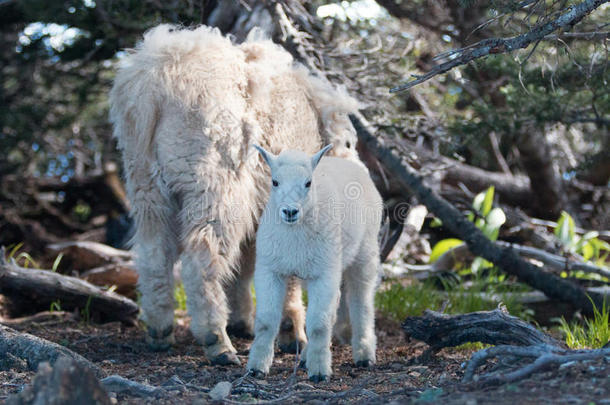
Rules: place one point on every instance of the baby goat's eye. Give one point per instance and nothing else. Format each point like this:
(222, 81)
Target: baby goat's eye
(308, 184)
(348, 144)
(275, 183)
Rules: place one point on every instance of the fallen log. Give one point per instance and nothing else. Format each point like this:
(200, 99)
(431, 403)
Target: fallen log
(122, 276)
(35, 350)
(515, 341)
(34, 288)
(85, 255)
(505, 258)
(495, 327)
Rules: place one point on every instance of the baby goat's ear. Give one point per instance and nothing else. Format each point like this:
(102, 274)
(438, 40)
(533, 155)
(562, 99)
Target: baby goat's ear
(315, 159)
(269, 157)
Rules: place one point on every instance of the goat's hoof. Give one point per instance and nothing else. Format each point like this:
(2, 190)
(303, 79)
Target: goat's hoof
(318, 378)
(364, 363)
(240, 329)
(160, 341)
(291, 347)
(258, 374)
(226, 359)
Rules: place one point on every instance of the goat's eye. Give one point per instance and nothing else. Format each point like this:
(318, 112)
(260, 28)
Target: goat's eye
(275, 183)
(308, 184)
(348, 144)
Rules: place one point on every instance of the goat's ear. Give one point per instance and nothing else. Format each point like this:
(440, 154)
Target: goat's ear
(268, 156)
(315, 159)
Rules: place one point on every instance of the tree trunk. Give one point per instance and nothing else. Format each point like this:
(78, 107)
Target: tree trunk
(545, 183)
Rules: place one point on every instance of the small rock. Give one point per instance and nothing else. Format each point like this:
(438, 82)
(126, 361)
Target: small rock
(66, 383)
(220, 391)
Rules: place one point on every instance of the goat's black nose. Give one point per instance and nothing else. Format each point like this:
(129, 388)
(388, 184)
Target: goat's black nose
(290, 213)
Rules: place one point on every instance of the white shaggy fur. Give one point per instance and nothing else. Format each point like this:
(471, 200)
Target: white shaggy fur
(186, 105)
(320, 225)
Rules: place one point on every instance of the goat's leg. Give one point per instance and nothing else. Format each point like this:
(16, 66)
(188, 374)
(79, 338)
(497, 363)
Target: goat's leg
(206, 302)
(342, 330)
(292, 330)
(323, 299)
(241, 319)
(360, 284)
(270, 292)
(155, 246)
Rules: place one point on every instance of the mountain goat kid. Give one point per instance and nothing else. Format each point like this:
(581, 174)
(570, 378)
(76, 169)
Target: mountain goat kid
(321, 225)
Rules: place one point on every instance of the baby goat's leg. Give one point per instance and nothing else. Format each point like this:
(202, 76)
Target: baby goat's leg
(323, 299)
(241, 320)
(342, 330)
(292, 331)
(360, 286)
(270, 291)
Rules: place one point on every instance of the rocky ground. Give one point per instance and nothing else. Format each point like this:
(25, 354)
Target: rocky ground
(185, 376)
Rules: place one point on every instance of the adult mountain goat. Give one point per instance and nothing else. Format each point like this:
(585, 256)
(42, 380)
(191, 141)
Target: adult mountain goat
(320, 225)
(186, 106)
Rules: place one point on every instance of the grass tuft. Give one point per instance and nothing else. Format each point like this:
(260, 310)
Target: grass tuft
(593, 333)
(397, 301)
(180, 297)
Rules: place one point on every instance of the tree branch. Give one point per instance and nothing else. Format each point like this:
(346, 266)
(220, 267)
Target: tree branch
(504, 45)
(505, 258)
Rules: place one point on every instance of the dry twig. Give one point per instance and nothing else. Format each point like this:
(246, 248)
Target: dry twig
(491, 46)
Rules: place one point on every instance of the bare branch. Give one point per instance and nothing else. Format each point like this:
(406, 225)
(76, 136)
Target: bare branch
(555, 261)
(504, 45)
(583, 36)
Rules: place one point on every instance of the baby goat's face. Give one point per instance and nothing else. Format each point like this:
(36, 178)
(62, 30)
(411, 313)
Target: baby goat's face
(291, 183)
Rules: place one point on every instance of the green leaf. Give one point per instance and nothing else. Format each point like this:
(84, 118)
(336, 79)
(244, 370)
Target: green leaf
(565, 229)
(600, 244)
(590, 235)
(436, 223)
(588, 251)
(491, 232)
(496, 218)
(479, 264)
(477, 203)
(442, 247)
(488, 201)
(479, 223)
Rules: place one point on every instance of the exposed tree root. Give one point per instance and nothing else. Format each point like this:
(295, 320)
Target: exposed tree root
(546, 356)
(516, 341)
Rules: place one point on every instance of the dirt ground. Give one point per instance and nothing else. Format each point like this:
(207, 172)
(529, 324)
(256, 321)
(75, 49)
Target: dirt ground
(188, 376)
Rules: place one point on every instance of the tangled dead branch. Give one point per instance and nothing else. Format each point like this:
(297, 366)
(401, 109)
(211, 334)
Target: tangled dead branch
(491, 46)
(516, 340)
(545, 356)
